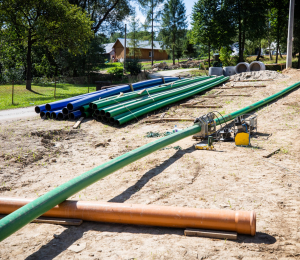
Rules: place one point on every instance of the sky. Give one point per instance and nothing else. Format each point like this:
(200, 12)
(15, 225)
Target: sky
(188, 5)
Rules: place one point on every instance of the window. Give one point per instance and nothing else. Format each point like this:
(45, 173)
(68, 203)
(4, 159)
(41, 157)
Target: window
(150, 52)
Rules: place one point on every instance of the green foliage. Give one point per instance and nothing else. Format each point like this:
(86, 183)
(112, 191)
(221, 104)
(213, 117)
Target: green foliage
(225, 53)
(133, 38)
(174, 27)
(133, 66)
(53, 24)
(12, 74)
(116, 71)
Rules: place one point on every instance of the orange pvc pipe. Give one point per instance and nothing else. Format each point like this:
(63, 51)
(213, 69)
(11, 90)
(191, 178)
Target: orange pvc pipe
(242, 222)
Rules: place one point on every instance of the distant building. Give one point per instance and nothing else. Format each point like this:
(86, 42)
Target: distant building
(109, 51)
(145, 50)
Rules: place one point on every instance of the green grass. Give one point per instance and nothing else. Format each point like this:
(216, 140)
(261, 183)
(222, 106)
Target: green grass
(39, 94)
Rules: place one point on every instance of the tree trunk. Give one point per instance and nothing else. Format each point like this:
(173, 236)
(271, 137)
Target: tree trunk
(259, 52)
(209, 54)
(299, 61)
(240, 33)
(280, 52)
(173, 54)
(243, 45)
(270, 52)
(28, 61)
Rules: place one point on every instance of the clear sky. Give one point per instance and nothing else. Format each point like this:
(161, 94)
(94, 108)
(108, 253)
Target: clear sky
(188, 4)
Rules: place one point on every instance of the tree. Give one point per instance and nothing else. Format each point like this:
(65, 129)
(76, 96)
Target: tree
(249, 19)
(212, 24)
(133, 37)
(107, 15)
(55, 24)
(297, 31)
(153, 12)
(279, 21)
(173, 27)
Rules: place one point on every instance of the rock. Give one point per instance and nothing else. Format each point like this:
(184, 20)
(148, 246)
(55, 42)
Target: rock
(55, 236)
(109, 140)
(101, 144)
(53, 160)
(123, 138)
(77, 247)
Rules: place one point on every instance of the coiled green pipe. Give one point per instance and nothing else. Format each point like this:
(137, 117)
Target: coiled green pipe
(34, 209)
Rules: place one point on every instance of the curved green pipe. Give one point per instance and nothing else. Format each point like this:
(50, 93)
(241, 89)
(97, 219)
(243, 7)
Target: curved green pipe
(34, 209)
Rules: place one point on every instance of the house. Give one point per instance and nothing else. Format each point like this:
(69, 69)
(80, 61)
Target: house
(145, 50)
(109, 51)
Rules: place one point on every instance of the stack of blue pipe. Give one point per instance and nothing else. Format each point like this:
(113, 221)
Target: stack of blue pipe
(70, 107)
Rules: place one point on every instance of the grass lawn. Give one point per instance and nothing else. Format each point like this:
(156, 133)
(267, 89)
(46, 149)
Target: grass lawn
(39, 94)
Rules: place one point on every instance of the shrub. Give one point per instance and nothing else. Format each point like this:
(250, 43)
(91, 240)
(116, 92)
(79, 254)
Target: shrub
(133, 66)
(225, 53)
(116, 71)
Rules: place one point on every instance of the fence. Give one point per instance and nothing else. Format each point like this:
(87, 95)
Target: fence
(45, 90)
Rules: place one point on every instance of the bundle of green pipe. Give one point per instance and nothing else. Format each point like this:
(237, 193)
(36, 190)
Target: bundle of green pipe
(123, 108)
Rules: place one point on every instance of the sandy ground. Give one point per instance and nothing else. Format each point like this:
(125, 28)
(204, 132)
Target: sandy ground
(38, 155)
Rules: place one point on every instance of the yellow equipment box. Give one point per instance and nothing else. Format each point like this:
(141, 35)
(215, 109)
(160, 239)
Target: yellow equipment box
(242, 139)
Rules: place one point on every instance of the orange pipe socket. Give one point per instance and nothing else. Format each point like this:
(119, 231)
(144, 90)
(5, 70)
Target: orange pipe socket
(242, 222)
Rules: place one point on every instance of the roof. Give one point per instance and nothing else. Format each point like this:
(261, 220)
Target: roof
(108, 47)
(142, 44)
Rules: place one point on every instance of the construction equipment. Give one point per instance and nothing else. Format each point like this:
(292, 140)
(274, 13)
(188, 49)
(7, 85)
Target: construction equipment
(207, 124)
(244, 126)
(208, 146)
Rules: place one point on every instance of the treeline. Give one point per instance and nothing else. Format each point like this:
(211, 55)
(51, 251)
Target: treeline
(64, 37)
(55, 37)
(251, 24)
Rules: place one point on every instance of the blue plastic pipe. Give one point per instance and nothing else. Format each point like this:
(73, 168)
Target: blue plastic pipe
(75, 114)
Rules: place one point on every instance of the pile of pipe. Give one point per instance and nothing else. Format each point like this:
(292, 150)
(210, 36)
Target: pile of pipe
(78, 106)
(123, 108)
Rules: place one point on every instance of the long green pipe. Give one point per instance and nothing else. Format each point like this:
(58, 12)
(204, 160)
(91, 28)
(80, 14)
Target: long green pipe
(34, 209)
(125, 117)
(163, 95)
(111, 100)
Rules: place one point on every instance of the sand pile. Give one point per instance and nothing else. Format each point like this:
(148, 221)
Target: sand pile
(258, 75)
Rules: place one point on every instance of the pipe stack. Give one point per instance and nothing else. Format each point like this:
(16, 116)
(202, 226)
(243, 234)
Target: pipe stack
(77, 106)
(121, 109)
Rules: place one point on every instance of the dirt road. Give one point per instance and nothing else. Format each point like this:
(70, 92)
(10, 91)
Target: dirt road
(165, 73)
(38, 155)
(12, 114)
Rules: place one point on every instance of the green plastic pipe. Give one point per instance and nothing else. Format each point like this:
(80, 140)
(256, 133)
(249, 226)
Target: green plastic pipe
(134, 113)
(34, 209)
(112, 100)
(163, 95)
(137, 102)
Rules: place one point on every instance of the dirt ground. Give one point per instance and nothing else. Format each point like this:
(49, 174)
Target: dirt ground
(38, 155)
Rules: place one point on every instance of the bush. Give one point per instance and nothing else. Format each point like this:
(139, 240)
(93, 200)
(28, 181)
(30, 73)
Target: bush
(225, 53)
(133, 66)
(217, 64)
(116, 71)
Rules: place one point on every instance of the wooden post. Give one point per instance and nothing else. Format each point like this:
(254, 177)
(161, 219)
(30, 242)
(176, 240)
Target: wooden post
(54, 87)
(12, 96)
(124, 50)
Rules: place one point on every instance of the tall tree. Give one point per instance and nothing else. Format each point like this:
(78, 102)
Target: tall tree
(55, 24)
(107, 15)
(133, 37)
(279, 21)
(212, 24)
(174, 26)
(249, 17)
(153, 10)
(297, 31)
